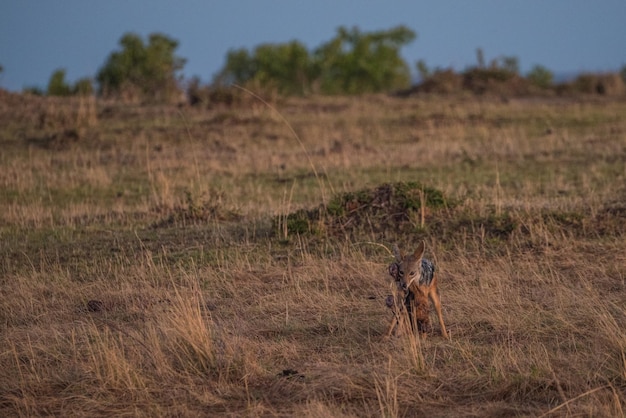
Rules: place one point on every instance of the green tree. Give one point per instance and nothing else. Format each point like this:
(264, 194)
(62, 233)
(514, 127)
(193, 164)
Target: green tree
(285, 67)
(240, 68)
(423, 70)
(510, 64)
(57, 86)
(148, 69)
(480, 58)
(34, 90)
(83, 87)
(540, 76)
(288, 66)
(354, 62)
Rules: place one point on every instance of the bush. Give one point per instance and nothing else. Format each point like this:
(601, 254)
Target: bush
(34, 90)
(83, 87)
(57, 85)
(610, 84)
(540, 76)
(483, 80)
(209, 96)
(283, 67)
(139, 69)
(353, 62)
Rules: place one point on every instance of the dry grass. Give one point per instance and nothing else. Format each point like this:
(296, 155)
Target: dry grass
(206, 306)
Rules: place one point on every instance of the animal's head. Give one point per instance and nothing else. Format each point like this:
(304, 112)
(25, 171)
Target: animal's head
(407, 268)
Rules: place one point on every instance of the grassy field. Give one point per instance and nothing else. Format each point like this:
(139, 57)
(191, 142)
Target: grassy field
(178, 261)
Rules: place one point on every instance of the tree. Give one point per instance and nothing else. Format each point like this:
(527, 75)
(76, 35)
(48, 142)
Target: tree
(240, 68)
(540, 76)
(285, 67)
(480, 58)
(355, 62)
(147, 69)
(510, 64)
(423, 70)
(57, 85)
(352, 62)
(34, 90)
(83, 87)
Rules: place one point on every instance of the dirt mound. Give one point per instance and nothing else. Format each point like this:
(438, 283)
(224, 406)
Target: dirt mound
(387, 209)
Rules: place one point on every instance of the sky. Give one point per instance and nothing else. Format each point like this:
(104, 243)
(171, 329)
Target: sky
(566, 36)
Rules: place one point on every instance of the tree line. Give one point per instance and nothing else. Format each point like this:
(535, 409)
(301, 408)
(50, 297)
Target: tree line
(352, 62)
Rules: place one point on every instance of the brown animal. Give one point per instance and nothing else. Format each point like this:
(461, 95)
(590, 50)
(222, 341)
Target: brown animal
(415, 276)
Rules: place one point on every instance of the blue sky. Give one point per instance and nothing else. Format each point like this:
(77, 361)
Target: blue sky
(38, 37)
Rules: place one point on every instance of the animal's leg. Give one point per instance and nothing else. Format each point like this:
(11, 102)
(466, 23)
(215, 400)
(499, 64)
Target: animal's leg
(434, 297)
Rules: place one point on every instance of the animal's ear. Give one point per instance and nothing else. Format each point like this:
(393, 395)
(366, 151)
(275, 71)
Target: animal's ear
(419, 252)
(397, 253)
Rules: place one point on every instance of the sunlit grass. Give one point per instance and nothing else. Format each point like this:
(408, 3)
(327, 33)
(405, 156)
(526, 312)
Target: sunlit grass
(208, 305)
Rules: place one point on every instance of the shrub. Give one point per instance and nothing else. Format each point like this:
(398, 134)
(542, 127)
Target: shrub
(442, 82)
(148, 70)
(286, 68)
(423, 70)
(57, 85)
(610, 84)
(83, 87)
(540, 76)
(353, 62)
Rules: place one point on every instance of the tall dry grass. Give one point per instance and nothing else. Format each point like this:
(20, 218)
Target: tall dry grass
(143, 272)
